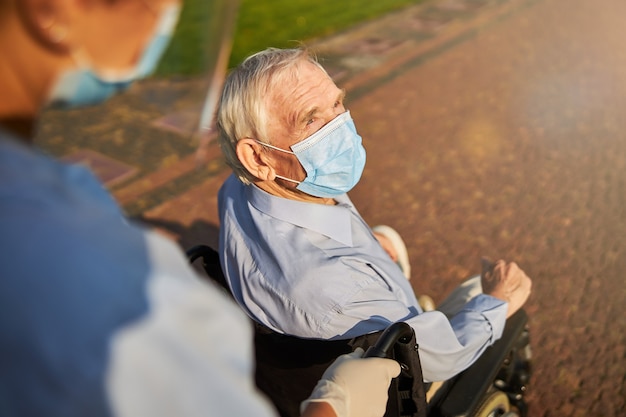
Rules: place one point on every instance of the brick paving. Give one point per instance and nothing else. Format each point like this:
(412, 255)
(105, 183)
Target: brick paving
(493, 127)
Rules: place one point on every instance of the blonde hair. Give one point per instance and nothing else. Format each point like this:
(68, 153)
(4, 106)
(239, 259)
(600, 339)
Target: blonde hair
(242, 111)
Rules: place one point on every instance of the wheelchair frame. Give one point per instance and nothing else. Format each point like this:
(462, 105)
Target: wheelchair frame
(494, 386)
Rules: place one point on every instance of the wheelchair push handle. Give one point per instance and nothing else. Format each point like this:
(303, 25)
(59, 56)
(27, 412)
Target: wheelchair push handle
(397, 332)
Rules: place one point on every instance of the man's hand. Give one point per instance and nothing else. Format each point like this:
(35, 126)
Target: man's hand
(354, 386)
(507, 282)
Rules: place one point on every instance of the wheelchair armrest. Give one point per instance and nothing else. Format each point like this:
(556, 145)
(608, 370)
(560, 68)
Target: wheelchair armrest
(466, 390)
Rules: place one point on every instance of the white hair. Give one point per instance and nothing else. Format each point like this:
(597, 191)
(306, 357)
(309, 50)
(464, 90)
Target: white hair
(242, 111)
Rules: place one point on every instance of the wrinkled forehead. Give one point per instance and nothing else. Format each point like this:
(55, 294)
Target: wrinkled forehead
(296, 88)
(286, 81)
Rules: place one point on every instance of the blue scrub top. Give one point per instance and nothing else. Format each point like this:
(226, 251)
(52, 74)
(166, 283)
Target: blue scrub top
(100, 317)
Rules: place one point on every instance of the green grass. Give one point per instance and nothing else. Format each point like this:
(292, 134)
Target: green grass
(261, 24)
(185, 52)
(284, 23)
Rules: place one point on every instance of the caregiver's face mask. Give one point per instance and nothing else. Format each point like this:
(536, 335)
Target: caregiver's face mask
(86, 85)
(333, 158)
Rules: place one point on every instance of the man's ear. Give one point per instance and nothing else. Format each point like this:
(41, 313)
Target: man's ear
(47, 21)
(254, 159)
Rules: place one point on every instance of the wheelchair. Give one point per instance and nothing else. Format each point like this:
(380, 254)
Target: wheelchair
(288, 367)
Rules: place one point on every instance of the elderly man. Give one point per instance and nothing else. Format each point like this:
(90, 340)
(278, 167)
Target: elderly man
(298, 256)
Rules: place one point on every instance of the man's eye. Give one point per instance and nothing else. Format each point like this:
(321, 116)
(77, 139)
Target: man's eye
(338, 103)
(310, 121)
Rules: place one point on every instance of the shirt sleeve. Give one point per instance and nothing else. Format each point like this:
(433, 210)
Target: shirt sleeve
(446, 346)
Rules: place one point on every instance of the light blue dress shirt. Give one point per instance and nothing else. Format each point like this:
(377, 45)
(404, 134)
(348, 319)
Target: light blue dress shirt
(317, 271)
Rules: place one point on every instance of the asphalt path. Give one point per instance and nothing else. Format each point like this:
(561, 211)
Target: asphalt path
(510, 142)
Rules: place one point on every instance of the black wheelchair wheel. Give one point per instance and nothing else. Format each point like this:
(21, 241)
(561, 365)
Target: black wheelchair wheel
(495, 404)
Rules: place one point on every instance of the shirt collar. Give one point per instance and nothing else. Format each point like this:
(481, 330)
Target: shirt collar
(332, 221)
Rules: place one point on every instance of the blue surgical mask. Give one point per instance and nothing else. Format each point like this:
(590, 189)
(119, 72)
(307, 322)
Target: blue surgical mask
(84, 85)
(333, 158)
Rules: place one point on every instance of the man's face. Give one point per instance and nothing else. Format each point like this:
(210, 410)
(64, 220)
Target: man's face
(298, 109)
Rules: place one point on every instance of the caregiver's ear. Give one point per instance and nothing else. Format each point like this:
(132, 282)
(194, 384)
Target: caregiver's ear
(49, 22)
